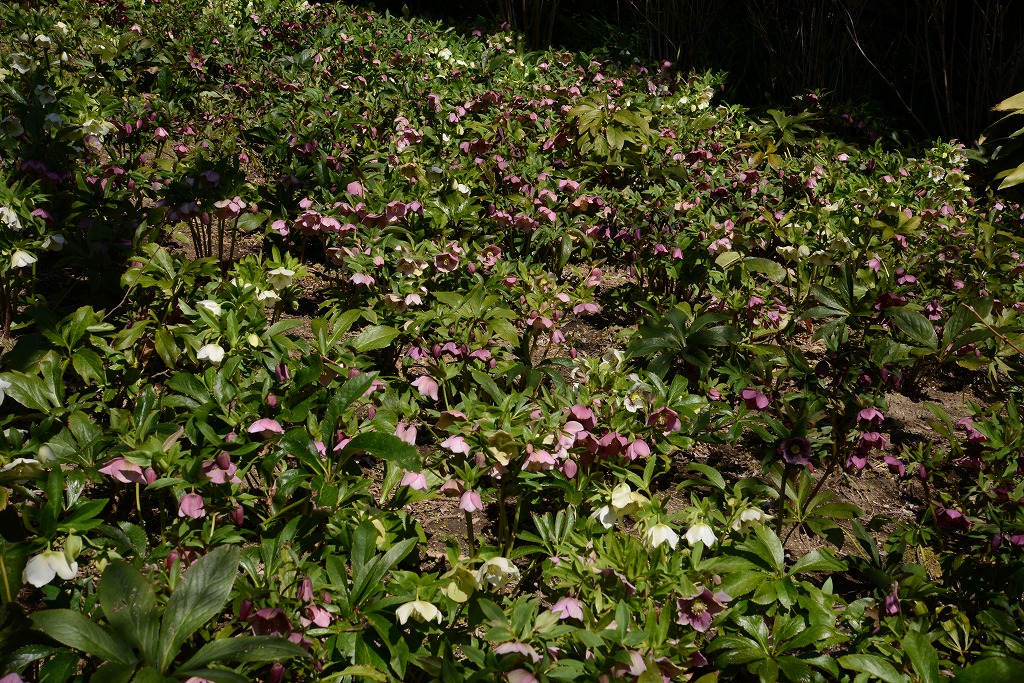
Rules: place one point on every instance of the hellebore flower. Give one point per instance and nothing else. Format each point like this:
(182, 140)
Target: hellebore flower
(279, 278)
(521, 676)
(419, 610)
(795, 450)
(21, 259)
(701, 531)
(269, 621)
(470, 501)
(210, 305)
(661, 533)
(496, 573)
(426, 385)
(515, 647)
(754, 399)
(191, 505)
(266, 428)
(212, 352)
(568, 608)
(625, 500)
(128, 473)
(42, 568)
(665, 419)
(699, 609)
(4, 386)
(605, 516)
(417, 481)
(872, 415)
(221, 470)
(749, 518)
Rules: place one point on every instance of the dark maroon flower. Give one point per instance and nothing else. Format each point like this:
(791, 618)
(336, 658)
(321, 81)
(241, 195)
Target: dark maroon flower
(665, 419)
(895, 466)
(699, 609)
(270, 621)
(795, 450)
(949, 517)
(871, 415)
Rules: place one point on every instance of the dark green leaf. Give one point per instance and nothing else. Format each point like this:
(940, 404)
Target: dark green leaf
(914, 325)
(242, 649)
(76, 630)
(129, 603)
(873, 666)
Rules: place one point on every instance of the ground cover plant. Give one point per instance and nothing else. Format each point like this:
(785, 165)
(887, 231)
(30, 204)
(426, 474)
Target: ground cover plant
(340, 346)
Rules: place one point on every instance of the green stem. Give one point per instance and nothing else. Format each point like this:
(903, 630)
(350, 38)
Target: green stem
(470, 536)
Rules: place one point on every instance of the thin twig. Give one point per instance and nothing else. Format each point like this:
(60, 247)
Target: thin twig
(994, 330)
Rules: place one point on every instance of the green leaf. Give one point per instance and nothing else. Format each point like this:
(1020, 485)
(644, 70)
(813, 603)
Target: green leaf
(874, 666)
(991, 670)
(372, 338)
(772, 270)
(199, 597)
(76, 630)
(89, 366)
(241, 649)
(30, 391)
(364, 671)
(914, 325)
(129, 603)
(386, 447)
(923, 657)
(819, 559)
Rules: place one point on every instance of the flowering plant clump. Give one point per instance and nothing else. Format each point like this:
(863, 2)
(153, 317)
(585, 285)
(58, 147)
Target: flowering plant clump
(338, 345)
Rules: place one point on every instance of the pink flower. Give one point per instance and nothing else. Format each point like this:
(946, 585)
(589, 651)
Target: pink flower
(406, 433)
(637, 449)
(417, 481)
(872, 415)
(470, 501)
(456, 444)
(354, 188)
(665, 419)
(754, 399)
(221, 470)
(568, 608)
(521, 676)
(128, 473)
(426, 385)
(191, 505)
(266, 428)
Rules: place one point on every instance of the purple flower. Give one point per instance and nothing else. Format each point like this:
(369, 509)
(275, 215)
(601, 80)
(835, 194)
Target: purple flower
(270, 621)
(665, 419)
(895, 466)
(191, 505)
(754, 399)
(795, 450)
(891, 603)
(699, 609)
(872, 415)
(637, 449)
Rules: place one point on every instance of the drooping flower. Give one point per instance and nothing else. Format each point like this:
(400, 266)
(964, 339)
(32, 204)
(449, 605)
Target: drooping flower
(470, 501)
(191, 505)
(665, 419)
(4, 386)
(703, 532)
(269, 621)
(699, 609)
(221, 470)
(661, 533)
(515, 647)
(521, 676)
(748, 518)
(496, 573)
(210, 305)
(212, 352)
(871, 415)
(280, 278)
(754, 399)
(417, 481)
(266, 428)
(568, 608)
(426, 385)
(625, 500)
(22, 259)
(419, 610)
(42, 568)
(605, 516)
(128, 472)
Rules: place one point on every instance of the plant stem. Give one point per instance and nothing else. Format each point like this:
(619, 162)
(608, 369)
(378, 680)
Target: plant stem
(470, 536)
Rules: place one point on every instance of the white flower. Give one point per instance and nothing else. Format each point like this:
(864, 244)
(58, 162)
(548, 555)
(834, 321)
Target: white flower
(45, 94)
(496, 573)
(21, 62)
(625, 500)
(210, 305)
(54, 242)
(749, 518)
(701, 532)
(279, 278)
(661, 533)
(4, 386)
(267, 295)
(11, 126)
(43, 39)
(20, 259)
(9, 217)
(97, 127)
(420, 610)
(212, 352)
(459, 187)
(41, 569)
(605, 516)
